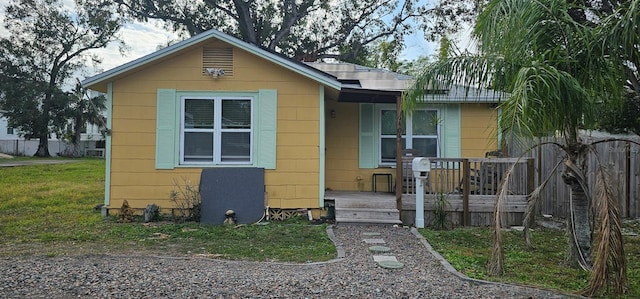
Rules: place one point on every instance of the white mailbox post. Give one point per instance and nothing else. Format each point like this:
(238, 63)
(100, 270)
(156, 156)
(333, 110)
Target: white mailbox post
(421, 167)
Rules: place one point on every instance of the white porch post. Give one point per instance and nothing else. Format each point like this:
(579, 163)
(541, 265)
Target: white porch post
(420, 202)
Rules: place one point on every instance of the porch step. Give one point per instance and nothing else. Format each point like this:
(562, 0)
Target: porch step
(369, 221)
(367, 215)
(368, 203)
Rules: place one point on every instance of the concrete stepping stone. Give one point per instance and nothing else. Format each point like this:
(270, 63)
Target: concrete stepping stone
(390, 264)
(379, 249)
(388, 261)
(374, 241)
(384, 258)
(371, 234)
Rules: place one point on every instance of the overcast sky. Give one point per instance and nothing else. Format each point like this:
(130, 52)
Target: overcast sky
(144, 38)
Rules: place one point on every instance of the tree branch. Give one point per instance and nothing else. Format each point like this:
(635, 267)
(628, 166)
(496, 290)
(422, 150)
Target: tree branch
(245, 22)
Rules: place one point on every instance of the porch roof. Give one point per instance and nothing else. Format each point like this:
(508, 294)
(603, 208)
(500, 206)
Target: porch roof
(361, 95)
(361, 84)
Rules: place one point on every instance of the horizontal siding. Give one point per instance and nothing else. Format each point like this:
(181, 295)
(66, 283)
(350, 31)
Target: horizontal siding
(478, 129)
(297, 126)
(281, 178)
(342, 168)
(133, 112)
(142, 125)
(298, 139)
(294, 184)
(127, 152)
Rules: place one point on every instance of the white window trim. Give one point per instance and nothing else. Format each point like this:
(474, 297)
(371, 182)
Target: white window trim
(408, 131)
(217, 130)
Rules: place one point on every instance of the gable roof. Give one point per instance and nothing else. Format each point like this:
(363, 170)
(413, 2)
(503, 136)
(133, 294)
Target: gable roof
(300, 68)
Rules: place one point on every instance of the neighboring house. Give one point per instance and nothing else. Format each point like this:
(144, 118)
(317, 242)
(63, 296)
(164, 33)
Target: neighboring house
(214, 101)
(12, 143)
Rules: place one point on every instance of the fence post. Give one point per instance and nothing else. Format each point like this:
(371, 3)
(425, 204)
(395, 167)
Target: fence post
(530, 175)
(627, 171)
(531, 186)
(466, 184)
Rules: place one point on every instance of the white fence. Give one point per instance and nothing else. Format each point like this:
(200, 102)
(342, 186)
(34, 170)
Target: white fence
(56, 147)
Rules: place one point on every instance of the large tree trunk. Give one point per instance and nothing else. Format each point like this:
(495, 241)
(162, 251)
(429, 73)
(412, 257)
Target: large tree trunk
(43, 147)
(579, 228)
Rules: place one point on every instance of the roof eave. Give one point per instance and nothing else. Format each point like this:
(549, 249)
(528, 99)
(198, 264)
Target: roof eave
(469, 100)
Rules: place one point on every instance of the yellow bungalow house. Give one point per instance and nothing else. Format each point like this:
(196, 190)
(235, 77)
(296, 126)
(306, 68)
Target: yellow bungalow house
(216, 102)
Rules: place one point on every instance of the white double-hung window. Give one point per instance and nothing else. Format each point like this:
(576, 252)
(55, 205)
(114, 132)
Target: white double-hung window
(419, 132)
(216, 130)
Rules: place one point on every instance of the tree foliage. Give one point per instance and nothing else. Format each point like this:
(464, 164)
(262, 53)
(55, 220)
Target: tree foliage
(84, 109)
(559, 63)
(47, 43)
(382, 54)
(307, 29)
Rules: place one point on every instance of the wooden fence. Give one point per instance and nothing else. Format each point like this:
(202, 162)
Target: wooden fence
(620, 158)
(469, 186)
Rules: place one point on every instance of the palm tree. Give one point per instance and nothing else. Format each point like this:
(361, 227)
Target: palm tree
(85, 109)
(558, 62)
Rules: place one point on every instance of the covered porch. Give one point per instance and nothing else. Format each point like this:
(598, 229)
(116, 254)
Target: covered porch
(468, 186)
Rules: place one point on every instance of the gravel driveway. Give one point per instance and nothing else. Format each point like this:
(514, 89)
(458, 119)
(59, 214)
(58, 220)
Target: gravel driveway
(354, 276)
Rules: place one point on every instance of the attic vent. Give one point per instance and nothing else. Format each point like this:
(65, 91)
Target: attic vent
(219, 58)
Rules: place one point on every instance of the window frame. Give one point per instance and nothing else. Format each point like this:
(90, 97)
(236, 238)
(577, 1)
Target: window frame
(217, 131)
(408, 134)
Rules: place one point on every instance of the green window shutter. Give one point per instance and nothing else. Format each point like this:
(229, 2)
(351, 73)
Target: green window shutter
(367, 149)
(451, 131)
(266, 118)
(166, 123)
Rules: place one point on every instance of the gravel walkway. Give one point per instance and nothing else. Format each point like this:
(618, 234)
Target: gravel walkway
(354, 276)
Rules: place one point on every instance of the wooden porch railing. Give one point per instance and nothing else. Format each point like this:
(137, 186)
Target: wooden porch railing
(474, 180)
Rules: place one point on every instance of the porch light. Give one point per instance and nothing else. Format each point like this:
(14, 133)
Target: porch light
(214, 72)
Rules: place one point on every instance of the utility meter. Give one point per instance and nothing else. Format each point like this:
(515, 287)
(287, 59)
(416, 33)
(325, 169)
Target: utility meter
(421, 167)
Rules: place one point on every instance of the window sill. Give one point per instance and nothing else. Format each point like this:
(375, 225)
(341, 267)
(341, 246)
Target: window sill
(214, 165)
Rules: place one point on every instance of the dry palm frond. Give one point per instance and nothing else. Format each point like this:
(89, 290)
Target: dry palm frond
(576, 174)
(609, 269)
(532, 202)
(496, 264)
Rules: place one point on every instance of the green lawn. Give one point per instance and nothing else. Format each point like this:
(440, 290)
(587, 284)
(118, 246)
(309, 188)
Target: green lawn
(469, 249)
(49, 210)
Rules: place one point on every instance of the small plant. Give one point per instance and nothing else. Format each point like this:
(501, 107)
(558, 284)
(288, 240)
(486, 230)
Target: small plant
(186, 198)
(440, 204)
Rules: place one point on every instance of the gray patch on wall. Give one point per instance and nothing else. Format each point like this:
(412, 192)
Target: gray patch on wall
(238, 189)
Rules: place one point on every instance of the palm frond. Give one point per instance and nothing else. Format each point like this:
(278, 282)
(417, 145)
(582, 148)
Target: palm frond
(539, 93)
(532, 202)
(481, 71)
(620, 33)
(496, 263)
(609, 269)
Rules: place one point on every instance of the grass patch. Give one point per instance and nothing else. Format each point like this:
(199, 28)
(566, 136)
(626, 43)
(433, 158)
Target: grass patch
(469, 249)
(49, 210)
